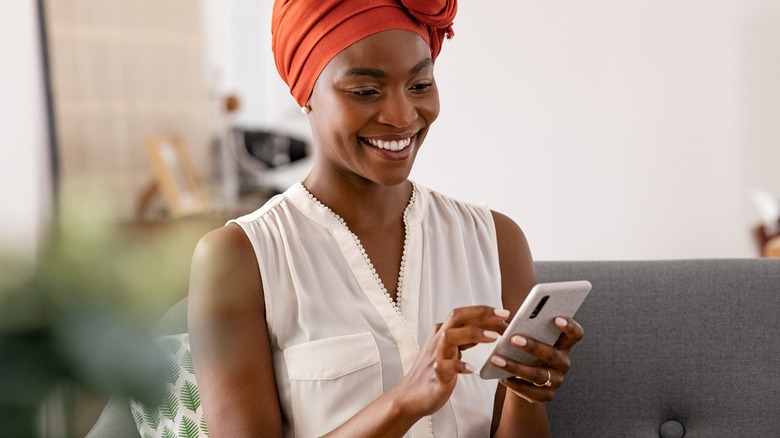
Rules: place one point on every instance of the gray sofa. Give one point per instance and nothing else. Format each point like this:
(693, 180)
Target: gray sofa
(672, 348)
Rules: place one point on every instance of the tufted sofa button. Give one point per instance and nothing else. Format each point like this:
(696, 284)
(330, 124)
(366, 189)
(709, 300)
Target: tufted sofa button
(671, 429)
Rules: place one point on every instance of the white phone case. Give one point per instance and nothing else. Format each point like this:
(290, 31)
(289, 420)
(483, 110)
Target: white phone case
(535, 319)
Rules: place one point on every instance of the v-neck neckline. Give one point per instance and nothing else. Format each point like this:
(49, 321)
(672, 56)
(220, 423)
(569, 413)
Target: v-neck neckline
(401, 320)
(398, 302)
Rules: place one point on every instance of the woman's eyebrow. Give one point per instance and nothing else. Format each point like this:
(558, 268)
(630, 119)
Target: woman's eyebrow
(371, 72)
(381, 74)
(427, 62)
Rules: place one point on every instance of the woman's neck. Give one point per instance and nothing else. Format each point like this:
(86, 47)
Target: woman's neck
(363, 204)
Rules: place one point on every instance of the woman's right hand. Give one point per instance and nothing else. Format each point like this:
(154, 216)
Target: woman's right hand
(432, 378)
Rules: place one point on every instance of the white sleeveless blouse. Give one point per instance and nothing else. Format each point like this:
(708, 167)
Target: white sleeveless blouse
(338, 340)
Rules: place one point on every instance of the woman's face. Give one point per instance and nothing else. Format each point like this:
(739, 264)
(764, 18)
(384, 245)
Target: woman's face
(372, 105)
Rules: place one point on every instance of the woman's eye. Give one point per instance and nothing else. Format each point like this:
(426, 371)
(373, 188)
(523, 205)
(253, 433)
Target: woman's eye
(365, 93)
(421, 88)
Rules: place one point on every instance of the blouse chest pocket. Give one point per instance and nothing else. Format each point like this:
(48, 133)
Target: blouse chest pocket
(331, 380)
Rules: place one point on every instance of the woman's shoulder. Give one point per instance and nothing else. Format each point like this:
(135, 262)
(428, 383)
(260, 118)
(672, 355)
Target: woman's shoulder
(505, 227)
(437, 200)
(228, 241)
(264, 210)
(225, 284)
(507, 230)
(223, 253)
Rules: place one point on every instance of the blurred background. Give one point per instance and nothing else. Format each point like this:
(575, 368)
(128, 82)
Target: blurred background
(606, 129)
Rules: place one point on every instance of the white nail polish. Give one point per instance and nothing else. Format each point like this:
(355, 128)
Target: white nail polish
(497, 361)
(519, 341)
(502, 313)
(491, 334)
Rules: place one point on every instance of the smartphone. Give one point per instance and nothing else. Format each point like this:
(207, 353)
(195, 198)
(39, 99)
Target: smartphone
(535, 319)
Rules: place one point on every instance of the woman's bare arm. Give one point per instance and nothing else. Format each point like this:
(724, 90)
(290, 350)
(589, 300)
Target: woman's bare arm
(229, 338)
(523, 411)
(515, 416)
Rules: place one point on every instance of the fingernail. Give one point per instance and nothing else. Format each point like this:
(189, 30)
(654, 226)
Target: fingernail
(491, 334)
(497, 361)
(519, 341)
(502, 313)
(561, 322)
(470, 367)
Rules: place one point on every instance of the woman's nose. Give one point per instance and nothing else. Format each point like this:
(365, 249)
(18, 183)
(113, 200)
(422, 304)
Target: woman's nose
(398, 111)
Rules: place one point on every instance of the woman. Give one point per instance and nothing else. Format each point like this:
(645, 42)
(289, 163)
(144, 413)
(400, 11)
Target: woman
(347, 306)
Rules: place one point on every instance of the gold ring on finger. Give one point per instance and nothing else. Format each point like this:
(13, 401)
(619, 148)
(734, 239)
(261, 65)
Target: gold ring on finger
(547, 383)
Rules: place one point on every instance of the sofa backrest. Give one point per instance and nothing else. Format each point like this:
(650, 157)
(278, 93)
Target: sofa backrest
(672, 348)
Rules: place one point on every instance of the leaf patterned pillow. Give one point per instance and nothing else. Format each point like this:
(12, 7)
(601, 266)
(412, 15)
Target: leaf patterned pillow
(179, 414)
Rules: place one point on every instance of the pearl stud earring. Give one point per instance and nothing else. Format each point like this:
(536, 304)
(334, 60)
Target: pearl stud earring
(305, 109)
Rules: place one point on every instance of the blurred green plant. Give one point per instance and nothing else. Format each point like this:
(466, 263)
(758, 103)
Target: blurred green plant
(82, 314)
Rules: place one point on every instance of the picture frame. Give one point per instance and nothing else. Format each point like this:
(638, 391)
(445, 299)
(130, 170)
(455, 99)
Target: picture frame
(176, 176)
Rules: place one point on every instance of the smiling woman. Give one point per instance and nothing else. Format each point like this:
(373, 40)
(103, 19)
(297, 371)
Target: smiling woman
(346, 306)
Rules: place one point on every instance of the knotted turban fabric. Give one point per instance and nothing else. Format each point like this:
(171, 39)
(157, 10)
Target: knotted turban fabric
(307, 34)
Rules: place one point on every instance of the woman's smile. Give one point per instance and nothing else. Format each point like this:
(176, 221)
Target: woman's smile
(393, 148)
(391, 145)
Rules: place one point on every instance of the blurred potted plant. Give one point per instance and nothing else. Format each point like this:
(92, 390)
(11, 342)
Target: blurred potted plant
(81, 316)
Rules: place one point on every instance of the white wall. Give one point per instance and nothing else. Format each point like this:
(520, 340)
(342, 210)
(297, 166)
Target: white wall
(24, 173)
(239, 48)
(612, 129)
(608, 129)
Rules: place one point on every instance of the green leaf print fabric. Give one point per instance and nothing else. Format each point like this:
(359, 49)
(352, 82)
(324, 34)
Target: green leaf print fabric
(179, 415)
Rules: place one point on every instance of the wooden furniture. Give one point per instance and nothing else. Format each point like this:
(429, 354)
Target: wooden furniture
(772, 247)
(768, 242)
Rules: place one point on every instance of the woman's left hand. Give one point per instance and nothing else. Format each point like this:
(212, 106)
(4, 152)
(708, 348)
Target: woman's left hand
(540, 383)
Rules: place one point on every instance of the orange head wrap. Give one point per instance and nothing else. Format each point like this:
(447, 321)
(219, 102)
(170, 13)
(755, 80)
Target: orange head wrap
(307, 34)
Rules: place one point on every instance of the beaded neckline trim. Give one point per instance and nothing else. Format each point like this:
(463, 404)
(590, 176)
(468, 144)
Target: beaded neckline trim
(397, 303)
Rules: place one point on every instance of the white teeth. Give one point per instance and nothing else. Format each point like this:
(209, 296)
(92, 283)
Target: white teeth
(391, 145)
